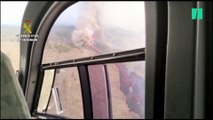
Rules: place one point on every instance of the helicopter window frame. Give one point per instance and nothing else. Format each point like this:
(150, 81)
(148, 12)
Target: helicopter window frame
(82, 65)
(34, 75)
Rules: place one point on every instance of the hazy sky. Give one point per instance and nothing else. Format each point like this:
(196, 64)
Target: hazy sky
(70, 15)
(129, 15)
(12, 12)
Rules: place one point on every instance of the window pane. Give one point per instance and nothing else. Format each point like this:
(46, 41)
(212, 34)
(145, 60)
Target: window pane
(46, 88)
(67, 85)
(93, 28)
(11, 18)
(99, 91)
(127, 86)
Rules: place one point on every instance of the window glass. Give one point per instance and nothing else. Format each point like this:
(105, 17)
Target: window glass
(11, 18)
(46, 88)
(66, 96)
(118, 90)
(93, 28)
(99, 91)
(127, 86)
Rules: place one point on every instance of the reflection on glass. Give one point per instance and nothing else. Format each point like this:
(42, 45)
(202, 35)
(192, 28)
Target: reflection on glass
(94, 28)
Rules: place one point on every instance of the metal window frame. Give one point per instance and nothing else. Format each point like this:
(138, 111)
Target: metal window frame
(86, 91)
(130, 55)
(82, 63)
(156, 13)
